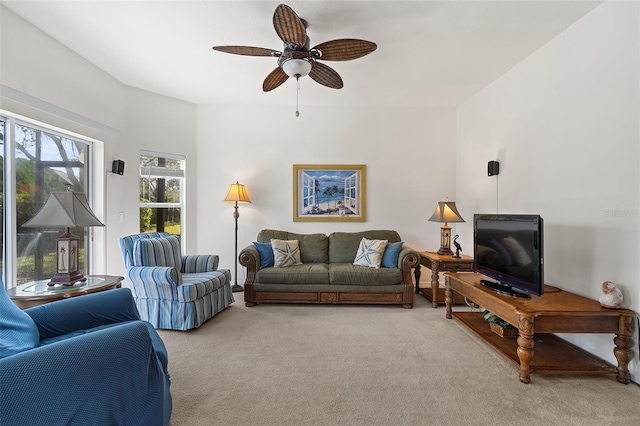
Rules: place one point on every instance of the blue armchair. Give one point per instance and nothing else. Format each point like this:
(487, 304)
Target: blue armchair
(85, 360)
(173, 291)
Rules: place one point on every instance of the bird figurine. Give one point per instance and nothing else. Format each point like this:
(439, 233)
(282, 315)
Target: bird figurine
(458, 247)
(611, 296)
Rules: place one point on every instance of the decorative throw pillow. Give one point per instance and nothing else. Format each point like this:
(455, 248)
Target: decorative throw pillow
(266, 254)
(18, 332)
(390, 256)
(164, 251)
(285, 253)
(370, 253)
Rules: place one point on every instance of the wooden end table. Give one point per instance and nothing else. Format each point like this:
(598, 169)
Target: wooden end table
(38, 292)
(437, 263)
(537, 320)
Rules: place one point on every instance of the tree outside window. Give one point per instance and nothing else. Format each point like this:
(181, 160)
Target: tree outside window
(43, 162)
(161, 192)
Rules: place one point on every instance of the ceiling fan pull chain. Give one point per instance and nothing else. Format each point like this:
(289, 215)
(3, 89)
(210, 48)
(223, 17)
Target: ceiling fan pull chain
(297, 94)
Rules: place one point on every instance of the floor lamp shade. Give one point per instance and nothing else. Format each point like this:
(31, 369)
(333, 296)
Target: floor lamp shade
(67, 209)
(445, 212)
(237, 194)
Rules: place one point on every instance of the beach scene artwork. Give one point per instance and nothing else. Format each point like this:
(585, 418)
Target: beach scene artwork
(329, 192)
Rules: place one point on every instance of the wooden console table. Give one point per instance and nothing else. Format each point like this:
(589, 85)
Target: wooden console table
(437, 263)
(556, 311)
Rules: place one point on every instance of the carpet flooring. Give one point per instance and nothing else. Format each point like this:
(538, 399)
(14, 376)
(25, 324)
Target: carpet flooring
(319, 365)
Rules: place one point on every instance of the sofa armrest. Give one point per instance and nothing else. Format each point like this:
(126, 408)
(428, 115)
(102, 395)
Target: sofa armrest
(154, 281)
(407, 260)
(408, 251)
(250, 259)
(80, 313)
(113, 373)
(195, 263)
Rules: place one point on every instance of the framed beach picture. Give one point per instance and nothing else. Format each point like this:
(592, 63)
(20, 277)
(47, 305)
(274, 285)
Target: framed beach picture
(329, 193)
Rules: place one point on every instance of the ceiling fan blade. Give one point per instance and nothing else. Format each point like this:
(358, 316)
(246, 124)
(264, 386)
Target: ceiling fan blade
(326, 76)
(246, 50)
(289, 26)
(274, 79)
(344, 49)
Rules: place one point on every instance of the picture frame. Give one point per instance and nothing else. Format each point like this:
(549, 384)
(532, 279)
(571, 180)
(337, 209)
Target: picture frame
(329, 193)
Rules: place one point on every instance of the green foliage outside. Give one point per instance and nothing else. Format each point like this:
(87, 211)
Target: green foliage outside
(145, 219)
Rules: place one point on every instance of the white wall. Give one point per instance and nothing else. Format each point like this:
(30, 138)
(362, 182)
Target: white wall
(409, 154)
(43, 80)
(564, 124)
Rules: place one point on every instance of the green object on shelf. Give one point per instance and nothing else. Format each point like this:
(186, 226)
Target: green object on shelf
(493, 318)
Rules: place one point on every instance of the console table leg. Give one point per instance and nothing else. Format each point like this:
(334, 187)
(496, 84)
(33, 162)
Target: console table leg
(416, 274)
(525, 347)
(435, 284)
(622, 351)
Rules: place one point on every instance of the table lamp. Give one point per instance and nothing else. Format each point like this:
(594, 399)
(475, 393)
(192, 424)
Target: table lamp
(446, 212)
(237, 194)
(66, 209)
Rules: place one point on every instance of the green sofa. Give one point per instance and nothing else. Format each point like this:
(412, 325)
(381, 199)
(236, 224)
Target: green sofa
(327, 273)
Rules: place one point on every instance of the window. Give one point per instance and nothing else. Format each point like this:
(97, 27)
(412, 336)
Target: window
(35, 162)
(161, 192)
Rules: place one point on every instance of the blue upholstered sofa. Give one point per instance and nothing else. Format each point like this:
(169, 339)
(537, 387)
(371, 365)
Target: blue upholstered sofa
(173, 291)
(82, 361)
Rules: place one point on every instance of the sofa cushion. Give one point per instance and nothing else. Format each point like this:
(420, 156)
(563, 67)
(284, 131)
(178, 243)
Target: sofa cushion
(314, 248)
(307, 273)
(343, 246)
(266, 254)
(196, 286)
(390, 256)
(285, 253)
(370, 253)
(350, 274)
(163, 251)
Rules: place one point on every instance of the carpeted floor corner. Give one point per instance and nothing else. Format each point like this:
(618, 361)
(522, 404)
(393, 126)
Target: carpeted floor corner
(319, 365)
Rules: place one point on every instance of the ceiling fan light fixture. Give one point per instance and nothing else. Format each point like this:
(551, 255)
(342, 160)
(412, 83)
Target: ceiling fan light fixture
(296, 67)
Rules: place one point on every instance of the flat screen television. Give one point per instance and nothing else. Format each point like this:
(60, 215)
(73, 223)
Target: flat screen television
(509, 248)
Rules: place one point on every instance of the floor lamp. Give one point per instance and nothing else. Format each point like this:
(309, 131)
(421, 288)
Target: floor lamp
(237, 194)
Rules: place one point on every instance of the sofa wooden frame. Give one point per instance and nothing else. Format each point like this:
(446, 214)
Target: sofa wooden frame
(406, 298)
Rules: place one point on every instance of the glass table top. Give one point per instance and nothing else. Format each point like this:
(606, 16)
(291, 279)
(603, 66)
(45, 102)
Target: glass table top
(43, 287)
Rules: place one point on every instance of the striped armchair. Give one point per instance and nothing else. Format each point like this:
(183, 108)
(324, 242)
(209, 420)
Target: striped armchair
(173, 291)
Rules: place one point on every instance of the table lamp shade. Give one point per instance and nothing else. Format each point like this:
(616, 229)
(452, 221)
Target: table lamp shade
(446, 211)
(66, 210)
(237, 194)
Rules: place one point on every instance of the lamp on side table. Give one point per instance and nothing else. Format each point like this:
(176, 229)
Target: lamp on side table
(445, 212)
(66, 209)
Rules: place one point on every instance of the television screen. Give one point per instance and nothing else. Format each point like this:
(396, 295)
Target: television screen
(509, 249)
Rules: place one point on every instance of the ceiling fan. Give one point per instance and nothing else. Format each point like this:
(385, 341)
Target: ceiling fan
(297, 59)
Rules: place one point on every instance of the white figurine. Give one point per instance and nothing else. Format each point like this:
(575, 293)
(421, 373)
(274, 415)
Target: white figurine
(611, 295)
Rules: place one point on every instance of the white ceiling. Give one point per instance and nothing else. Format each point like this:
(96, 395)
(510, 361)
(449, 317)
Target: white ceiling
(430, 53)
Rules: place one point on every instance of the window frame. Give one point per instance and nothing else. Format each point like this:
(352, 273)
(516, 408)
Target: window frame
(94, 248)
(176, 174)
